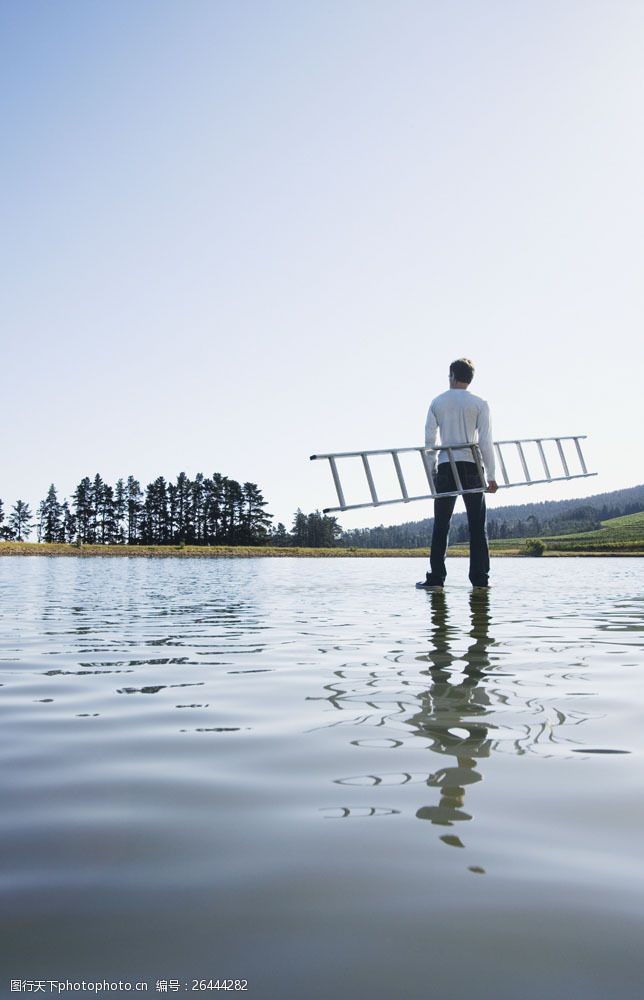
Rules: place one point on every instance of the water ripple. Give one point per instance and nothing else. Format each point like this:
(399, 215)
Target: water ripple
(491, 733)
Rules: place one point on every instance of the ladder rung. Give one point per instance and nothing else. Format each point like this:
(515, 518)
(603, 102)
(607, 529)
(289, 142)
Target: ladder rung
(523, 463)
(544, 460)
(476, 454)
(428, 471)
(336, 480)
(562, 456)
(504, 471)
(457, 478)
(399, 473)
(372, 485)
(581, 457)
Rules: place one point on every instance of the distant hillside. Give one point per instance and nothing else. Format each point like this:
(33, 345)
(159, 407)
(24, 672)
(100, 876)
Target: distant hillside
(617, 533)
(546, 519)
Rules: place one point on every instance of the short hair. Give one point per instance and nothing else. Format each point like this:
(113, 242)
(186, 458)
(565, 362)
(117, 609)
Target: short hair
(462, 370)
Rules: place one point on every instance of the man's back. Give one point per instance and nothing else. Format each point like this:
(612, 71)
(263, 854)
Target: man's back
(461, 416)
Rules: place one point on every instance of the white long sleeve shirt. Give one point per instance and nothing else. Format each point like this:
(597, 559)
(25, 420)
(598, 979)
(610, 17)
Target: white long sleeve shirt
(461, 417)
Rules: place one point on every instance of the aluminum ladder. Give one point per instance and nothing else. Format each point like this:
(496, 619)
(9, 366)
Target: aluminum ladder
(565, 462)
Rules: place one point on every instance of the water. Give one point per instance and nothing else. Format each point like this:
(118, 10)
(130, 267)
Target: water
(307, 775)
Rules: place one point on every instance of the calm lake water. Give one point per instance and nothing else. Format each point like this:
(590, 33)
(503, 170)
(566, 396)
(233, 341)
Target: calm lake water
(310, 776)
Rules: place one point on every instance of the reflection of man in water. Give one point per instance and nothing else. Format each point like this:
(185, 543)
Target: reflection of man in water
(461, 418)
(447, 710)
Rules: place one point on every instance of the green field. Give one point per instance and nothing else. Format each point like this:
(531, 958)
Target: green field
(620, 534)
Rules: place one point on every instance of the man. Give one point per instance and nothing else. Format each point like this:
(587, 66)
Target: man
(461, 418)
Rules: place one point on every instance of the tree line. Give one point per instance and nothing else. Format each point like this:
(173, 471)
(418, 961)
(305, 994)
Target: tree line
(544, 519)
(417, 534)
(213, 510)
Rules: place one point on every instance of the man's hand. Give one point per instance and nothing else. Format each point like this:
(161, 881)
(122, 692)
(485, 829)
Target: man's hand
(492, 486)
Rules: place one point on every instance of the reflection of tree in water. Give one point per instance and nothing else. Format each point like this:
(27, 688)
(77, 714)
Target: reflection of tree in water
(449, 711)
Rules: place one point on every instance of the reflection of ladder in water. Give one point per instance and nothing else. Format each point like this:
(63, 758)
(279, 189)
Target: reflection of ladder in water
(476, 457)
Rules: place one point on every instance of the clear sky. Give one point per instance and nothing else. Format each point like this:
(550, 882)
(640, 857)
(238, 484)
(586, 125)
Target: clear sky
(237, 232)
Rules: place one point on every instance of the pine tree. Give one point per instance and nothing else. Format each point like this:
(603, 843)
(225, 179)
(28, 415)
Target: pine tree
(182, 506)
(120, 505)
(300, 530)
(107, 516)
(40, 513)
(97, 494)
(279, 535)
(255, 522)
(233, 509)
(156, 520)
(331, 531)
(134, 507)
(314, 529)
(69, 524)
(172, 512)
(215, 509)
(197, 512)
(20, 520)
(50, 511)
(82, 499)
(323, 531)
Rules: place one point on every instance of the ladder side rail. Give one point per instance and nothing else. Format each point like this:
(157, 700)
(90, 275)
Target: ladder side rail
(465, 444)
(526, 471)
(544, 460)
(367, 451)
(384, 451)
(385, 503)
(553, 479)
(562, 437)
(372, 485)
(399, 473)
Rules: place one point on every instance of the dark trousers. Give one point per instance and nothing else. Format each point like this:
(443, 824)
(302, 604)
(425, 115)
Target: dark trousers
(476, 519)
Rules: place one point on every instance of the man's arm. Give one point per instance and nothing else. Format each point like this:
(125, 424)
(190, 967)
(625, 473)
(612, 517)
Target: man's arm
(431, 432)
(486, 446)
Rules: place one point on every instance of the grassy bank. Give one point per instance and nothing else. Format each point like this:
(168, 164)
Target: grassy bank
(621, 536)
(194, 551)
(511, 549)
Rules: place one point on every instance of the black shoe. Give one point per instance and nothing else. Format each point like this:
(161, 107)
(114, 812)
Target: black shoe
(429, 584)
(480, 586)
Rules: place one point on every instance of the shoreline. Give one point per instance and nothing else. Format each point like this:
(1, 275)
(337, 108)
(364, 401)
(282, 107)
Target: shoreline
(58, 549)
